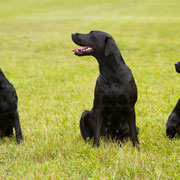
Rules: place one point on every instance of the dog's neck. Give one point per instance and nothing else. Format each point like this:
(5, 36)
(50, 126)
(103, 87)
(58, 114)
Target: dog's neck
(110, 65)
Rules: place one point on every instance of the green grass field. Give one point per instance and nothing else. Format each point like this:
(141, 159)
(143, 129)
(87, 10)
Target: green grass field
(54, 87)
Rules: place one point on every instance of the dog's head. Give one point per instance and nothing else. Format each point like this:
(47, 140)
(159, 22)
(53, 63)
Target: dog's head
(177, 66)
(94, 43)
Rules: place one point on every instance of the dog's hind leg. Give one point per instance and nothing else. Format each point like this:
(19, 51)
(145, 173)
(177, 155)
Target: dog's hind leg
(85, 127)
(133, 128)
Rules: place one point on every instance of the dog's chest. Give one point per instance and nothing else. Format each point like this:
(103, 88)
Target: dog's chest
(114, 110)
(5, 122)
(7, 108)
(114, 106)
(8, 102)
(114, 99)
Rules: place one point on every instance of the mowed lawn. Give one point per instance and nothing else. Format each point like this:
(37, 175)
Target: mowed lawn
(54, 87)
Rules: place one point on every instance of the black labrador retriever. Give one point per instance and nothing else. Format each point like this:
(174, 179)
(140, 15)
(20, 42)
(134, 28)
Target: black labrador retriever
(115, 95)
(9, 116)
(173, 123)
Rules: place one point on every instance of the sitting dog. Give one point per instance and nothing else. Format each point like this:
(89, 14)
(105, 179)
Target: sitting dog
(9, 116)
(115, 95)
(173, 123)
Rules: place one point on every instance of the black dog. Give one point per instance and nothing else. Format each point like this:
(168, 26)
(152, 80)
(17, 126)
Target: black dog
(173, 123)
(9, 116)
(113, 113)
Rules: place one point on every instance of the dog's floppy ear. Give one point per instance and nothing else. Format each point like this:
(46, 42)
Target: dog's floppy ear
(110, 46)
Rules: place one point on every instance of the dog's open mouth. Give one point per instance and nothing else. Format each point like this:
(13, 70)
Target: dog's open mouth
(83, 50)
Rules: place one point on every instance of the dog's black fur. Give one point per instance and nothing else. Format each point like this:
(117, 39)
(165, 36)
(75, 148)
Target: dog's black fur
(173, 123)
(9, 117)
(115, 95)
(177, 66)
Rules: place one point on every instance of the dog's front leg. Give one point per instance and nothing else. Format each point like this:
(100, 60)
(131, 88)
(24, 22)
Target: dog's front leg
(132, 127)
(17, 127)
(97, 131)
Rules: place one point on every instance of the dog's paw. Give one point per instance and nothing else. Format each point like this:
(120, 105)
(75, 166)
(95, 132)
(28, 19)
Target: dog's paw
(20, 140)
(136, 145)
(95, 145)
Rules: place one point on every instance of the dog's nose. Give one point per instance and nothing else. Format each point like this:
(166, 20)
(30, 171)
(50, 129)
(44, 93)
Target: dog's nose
(73, 34)
(176, 64)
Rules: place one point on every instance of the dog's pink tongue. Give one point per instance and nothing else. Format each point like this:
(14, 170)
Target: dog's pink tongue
(73, 50)
(79, 49)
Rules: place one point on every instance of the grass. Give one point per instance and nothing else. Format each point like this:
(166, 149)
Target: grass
(54, 87)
